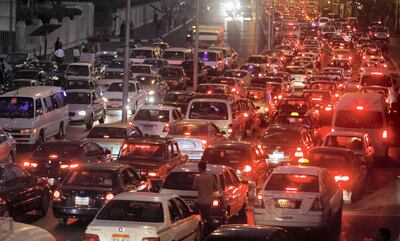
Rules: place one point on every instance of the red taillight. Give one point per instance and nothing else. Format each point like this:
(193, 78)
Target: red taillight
(153, 174)
(280, 97)
(299, 152)
(69, 166)
(233, 89)
(328, 108)
(166, 128)
(230, 130)
(337, 95)
(246, 115)
(342, 178)
(247, 168)
(56, 195)
(292, 190)
(385, 134)
(28, 164)
(109, 196)
(91, 237)
(259, 203)
(317, 205)
(215, 203)
(204, 143)
(53, 156)
(360, 107)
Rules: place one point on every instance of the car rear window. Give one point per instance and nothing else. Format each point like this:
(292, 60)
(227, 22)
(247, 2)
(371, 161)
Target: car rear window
(108, 132)
(284, 137)
(330, 161)
(359, 119)
(376, 79)
(293, 183)
(189, 129)
(152, 115)
(230, 157)
(185, 181)
(134, 211)
(348, 142)
(56, 149)
(141, 151)
(90, 178)
(207, 56)
(208, 111)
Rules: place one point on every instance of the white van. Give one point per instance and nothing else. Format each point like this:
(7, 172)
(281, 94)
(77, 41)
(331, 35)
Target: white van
(175, 56)
(33, 114)
(365, 113)
(79, 71)
(139, 54)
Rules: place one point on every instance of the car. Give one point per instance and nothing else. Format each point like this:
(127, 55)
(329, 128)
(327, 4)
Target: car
(82, 84)
(157, 63)
(380, 32)
(145, 216)
(213, 89)
(175, 56)
(188, 66)
(139, 54)
(253, 69)
(252, 116)
(136, 69)
(300, 197)
(151, 157)
(358, 142)
(154, 87)
(110, 136)
(244, 157)
(85, 107)
(294, 104)
(234, 83)
(54, 159)
(244, 75)
(345, 168)
(108, 77)
(155, 120)
(230, 55)
(178, 99)
(324, 102)
(285, 144)
(174, 76)
(214, 61)
(259, 59)
(113, 96)
(21, 192)
(230, 197)
(90, 186)
(242, 232)
(263, 100)
(194, 136)
(40, 76)
(8, 149)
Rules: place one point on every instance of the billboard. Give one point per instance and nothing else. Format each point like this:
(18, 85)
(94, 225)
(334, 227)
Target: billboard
(6, 15)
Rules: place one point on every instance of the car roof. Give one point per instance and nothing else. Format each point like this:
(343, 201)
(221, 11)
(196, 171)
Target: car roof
(80, 90)
(157, 107)
(193, 167)
(80, 64)
(148, 140)
(176, 49)
(102, 166)
(347, 133)
(331, 150)
(241, 145)
(33, 91)
(145, 48)
(143, 196)
(188, 122)
(306, 170)
(115, 124)
(285, 127)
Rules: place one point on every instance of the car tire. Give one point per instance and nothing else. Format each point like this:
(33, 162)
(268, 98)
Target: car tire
(103, 118)
(44, 206)
(60, 134)
(63, 221)
(89, 125)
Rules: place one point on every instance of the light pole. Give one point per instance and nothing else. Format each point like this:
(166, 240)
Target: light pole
(126, 65)
(196, 48)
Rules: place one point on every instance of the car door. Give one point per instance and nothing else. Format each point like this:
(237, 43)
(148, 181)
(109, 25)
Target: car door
(176, 220)
(30, 194)
(239, 191)
(5, 146)
(188, 222)
(230, 199)
(98, 106)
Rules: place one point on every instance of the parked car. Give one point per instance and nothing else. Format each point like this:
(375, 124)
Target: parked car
(88, 187)
(21, 192)
(230, 198)
(145, 216)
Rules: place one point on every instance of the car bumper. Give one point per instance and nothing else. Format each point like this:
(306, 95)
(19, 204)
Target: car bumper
(293, 221)
(25, 138)
(74, 212)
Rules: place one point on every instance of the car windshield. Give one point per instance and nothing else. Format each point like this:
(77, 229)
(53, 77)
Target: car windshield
(113, 75)
(16, 107)
(118, 64)
(146, 81)
(171, 72)
(140, 69)
(173, 55)
(108, 133)
(207, 56)
(376, 79)
(293, 183)
(132, 211)
(78, 98)
(189, 129)
(225, 156)
(65, 149)
(236, 73)
(142, 54)
(77, 70)
(142, 151)
(348, 142)
(330, 161)
(117, 87)
(26, 75)
(152, 115)
(210, 89)
(208, 111)
(359, 119)
(78, 85)
(281, 137)
(181, 98)
(185, 181)
(90, 178)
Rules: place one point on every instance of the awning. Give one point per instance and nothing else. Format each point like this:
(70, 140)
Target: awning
(45, 29)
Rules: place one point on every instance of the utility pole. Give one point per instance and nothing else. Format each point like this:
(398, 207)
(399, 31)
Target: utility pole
(126, 64)
(10, 33)
(196, 48)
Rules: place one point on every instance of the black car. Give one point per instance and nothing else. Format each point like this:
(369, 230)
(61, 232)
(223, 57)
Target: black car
(49, 67)
(41, 76)
(87, 188)
(239, 232)
(21, 192)
(151, 157)
(244, 157)
(188, 66)
(174, 76)
(178, 99)
(55, 159)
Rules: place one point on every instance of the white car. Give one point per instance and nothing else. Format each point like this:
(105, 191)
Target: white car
(139, 54)
(213, 60)
(136, 216)
(12, 231)
(156, 120)
(113, 96)
(137, 69)
(108, 77)
(301, 197)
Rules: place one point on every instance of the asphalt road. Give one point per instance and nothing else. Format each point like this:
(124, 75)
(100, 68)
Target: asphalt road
(380, 206)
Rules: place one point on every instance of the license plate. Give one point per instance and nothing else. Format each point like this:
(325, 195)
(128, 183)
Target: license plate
(120, 237)
(285, 203)
(148, 127)
(82, 201)
(286, 217)
(277, 154)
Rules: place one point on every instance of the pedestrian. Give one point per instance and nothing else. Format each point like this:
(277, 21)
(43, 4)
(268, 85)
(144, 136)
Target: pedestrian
(131, 28)
(77, 54)
(2, 71)
(155, 17)
(59, 54)
(206, 185)
(57, 44)
(82, 47)
(122, 29)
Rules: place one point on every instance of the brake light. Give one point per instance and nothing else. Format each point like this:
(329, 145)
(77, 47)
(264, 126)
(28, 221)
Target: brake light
(247, 168)
(342, 178)
(28, 164)
(166, 128)
(91, 237)
(385, 134)
(328, 108)
(215, 203)
(360, 107)
(56, 195)
(204, 143)
(317, 205)
(259, 203)
(70, 166)
(291, 190)
(299, 152)
(337, 95)
(316, 99)
(153, 174)
(109, 196)
(377, 73)
(303, 161)
(53, 156)
(246, 115)
(279, 97)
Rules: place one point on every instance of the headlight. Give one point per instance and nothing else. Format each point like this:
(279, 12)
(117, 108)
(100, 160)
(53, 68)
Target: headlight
(28, 131)
(151, 92)
(151, 99)
(105, 99)
(82, 113)
(128, 100)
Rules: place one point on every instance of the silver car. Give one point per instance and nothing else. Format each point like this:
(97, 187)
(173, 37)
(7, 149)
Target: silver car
(7, 147)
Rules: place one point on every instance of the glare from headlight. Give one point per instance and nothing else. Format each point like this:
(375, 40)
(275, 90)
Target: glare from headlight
(128, 107)
(105, 99)
(82, 113)
(151, 99)
(151, 92)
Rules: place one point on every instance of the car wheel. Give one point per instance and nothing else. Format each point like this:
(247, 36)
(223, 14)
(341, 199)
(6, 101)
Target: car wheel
(103, 118)
(89, 125)
(63, 221)
(44, 206)
(60, 134)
